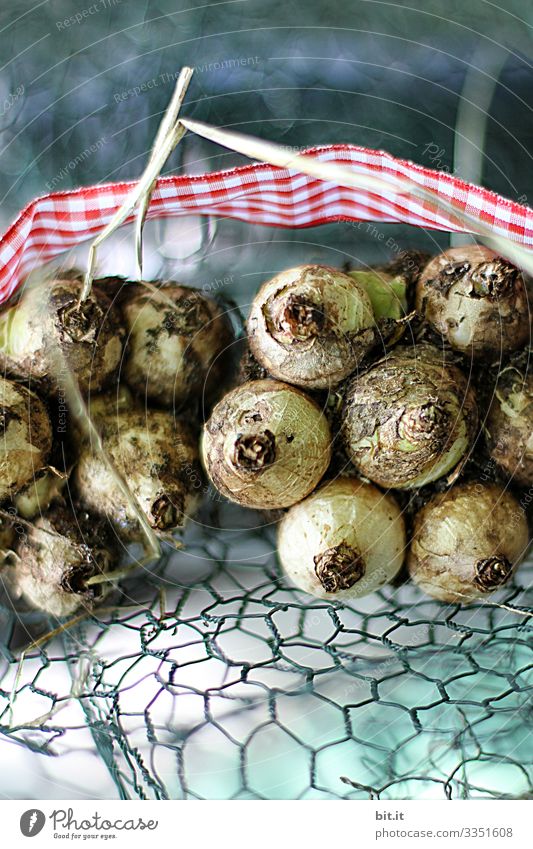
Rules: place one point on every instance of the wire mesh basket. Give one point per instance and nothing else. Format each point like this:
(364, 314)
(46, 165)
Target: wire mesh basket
(212, 677)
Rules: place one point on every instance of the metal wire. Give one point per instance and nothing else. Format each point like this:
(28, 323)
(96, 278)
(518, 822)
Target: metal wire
(214, 679)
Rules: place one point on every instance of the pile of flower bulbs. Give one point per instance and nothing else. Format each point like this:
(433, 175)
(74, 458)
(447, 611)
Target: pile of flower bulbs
(384, 415)
(366, 428)
(73, 497)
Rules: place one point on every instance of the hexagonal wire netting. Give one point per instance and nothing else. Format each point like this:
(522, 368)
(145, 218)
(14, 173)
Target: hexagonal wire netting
(217, 680)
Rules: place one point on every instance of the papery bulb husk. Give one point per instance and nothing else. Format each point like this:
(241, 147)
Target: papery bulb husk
(37, 496)
(90, 336)
(509, 425)
(105, 409)
(467, 542)
(26, 437)
(56, 557)
(266, 445)
(344, 541)
(476, 300)
(409, 419)
(179, 342)
(311, 326)
(157, 455)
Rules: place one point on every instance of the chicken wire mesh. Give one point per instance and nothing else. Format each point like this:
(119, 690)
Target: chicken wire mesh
(215, 679)
(212, 677)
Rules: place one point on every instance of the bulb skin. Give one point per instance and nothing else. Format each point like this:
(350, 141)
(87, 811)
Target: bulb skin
(343, 542)
(26, 437)
(509, 425)
(467, 542)
(311, 326)
(476, 300)
(57, 554)
(266, 445)
(158, 457)
(178, 344)
(409, 419)
(47, 316)
(36, 497)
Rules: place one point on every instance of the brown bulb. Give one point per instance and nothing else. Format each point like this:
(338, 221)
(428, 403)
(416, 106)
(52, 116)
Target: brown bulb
(49, 316)
(178, 343)
(266, 445)
(157, 456)
(409, 419)
(476, 300)
(467, 542)
(344, 541)
(311, 326)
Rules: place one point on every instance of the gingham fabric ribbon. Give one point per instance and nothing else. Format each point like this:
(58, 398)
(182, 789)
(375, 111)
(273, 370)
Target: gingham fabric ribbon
(258, 194)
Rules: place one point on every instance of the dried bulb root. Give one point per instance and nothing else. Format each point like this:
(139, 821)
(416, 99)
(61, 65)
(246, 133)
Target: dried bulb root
(467, 542)
(266, 445)
(178, 343)
(57, 556)
(344, 541)
(48, 316)
(409, 419)
(311, 326)
(26, 437)
(476, 300)
(158, 457)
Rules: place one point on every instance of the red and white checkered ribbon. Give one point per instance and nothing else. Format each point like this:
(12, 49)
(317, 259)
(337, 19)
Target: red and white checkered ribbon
(258, 194)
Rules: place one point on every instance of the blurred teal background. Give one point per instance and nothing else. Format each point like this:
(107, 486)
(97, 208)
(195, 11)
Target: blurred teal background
(382, 74)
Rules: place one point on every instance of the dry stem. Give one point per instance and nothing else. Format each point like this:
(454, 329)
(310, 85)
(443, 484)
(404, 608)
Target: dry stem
(169, 134)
